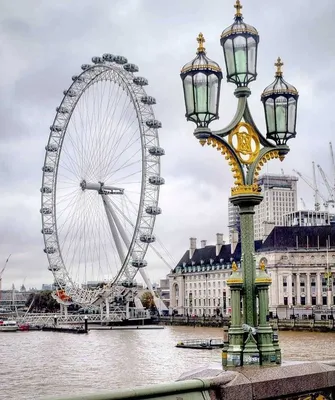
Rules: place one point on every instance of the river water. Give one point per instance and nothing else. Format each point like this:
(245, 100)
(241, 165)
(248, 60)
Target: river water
(34, 365)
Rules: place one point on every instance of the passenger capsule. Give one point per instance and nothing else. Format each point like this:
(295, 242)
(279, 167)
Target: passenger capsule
(56, 128)
(46, 189)
(97, 60)
(157, 151)
(77, 78)
(148, 100)
(62, 110)
(139, 263)
(147, 238)
(47, 168)
(70, 93)
(54, 268)
(156, 180)
(120, 60)
(108, 57)
(131, 67)
(47, 231)
(50, 250)
(84, 67)
(46, 211)
(140, 81)
(128, 284)
(153, 210)
(153, 123)
(51, 147)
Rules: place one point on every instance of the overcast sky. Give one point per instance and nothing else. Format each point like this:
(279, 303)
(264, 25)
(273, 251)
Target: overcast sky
(44, 43)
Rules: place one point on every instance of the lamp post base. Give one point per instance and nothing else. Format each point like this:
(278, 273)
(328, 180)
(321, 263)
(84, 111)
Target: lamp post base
(235, 348)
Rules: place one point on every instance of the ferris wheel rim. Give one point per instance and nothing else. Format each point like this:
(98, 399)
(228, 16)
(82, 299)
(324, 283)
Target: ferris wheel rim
(144, 113)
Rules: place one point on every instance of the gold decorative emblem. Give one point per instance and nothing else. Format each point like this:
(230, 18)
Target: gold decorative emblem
(245, 189)
(234, 266)
(245, 142)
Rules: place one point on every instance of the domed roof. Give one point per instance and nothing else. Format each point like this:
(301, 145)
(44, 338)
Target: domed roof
(279, 85)
(201, 61)
(239, 27)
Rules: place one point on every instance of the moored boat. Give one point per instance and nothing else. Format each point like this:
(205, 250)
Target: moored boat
(8, 326)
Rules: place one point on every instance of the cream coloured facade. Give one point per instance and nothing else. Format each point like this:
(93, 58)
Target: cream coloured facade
(298, 261)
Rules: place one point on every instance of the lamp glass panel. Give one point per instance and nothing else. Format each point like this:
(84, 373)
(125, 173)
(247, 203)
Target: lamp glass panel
(270, 115)
(292, 109)
(281, 116)
(188, 93)
(200, 95)
(229, 54)
(213, 89)
(240, 48)
(252, 52)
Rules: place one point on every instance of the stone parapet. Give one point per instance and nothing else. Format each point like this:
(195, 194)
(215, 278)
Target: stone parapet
(291, 380)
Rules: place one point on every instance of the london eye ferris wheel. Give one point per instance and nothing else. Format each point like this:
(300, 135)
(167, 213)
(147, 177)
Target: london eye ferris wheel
(101, 180)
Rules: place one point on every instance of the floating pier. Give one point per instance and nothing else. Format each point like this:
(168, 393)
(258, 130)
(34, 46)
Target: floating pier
(63, 329)
(201, 344)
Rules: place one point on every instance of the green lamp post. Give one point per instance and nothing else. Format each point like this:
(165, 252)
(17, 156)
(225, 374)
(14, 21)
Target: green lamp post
(246, 150)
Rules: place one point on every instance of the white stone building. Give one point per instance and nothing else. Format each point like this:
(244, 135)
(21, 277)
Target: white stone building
(300, 261)
(280, 198)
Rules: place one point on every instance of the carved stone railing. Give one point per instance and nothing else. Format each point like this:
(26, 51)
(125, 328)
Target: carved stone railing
(292, 380)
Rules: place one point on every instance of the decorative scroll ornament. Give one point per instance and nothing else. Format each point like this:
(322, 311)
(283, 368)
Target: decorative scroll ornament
(233, 163)
(245, 142)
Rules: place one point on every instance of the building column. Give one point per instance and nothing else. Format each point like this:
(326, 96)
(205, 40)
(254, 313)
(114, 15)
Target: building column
(289, 288)
(297, 290)
(308, 289)
(280, 290)
(273, 290)
(318, 289)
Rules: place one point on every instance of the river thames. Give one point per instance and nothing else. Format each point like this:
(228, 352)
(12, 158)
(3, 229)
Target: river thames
(36, 365)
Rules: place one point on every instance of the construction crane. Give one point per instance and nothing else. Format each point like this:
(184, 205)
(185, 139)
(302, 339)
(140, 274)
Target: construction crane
(331, 199)
(333, 163)
(303, 203)
(316, 190)
(312, 186)
(2, 271)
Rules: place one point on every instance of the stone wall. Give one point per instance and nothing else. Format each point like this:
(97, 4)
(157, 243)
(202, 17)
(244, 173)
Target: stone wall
(292, 380)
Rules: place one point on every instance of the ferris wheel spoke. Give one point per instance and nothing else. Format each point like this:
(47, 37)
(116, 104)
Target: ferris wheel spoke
(124, 131)
(110, 166)
(117, 128)
(93, 150)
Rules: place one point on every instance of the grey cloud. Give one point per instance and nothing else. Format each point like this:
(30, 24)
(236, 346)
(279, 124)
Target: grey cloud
(44, 43)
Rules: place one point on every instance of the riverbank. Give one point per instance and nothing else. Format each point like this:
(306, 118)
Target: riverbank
(309, 325)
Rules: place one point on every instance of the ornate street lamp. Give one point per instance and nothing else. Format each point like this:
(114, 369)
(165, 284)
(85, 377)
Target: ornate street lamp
(246, 151)
(280, 105)
(240, 42)
(201, 82)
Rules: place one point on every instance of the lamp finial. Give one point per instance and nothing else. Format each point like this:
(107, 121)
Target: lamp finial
(201, 41)
(279, 65)
(234, 266)
(238, 7)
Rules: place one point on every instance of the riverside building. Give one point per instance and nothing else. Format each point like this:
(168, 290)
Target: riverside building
(300, 261)
(280, 198)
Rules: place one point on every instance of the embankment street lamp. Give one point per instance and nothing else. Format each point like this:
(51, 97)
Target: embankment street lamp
(246, 150)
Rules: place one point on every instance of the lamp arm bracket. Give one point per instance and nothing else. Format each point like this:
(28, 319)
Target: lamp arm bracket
(266, 154)
(248, 118)
(230, 155)
(241, 106)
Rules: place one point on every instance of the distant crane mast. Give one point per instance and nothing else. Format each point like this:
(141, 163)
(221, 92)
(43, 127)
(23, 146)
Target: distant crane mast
(303, 203)
(313, 187)
(333, 163)
(316, 190)
(331, 199)
(1, 272)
